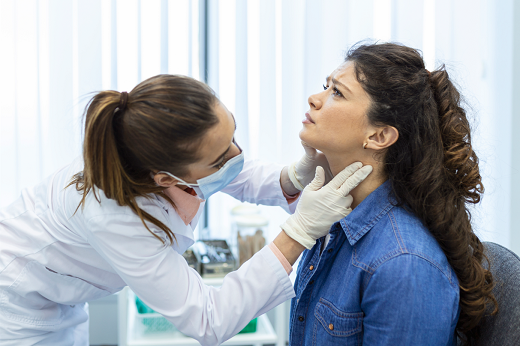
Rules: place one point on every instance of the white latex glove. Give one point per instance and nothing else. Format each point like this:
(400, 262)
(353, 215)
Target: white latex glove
(320, 207)
(302, 172)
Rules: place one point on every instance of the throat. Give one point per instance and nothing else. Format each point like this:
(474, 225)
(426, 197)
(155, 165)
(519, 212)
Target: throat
(367, 186)
(364, 189)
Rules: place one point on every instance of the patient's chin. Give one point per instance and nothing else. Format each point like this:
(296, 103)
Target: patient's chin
(310, 139)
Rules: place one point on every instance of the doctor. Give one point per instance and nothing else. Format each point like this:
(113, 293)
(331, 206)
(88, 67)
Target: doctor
(125, 212)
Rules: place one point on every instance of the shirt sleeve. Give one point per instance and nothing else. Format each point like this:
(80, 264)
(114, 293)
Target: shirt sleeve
(409, 301)
(259, 183)
(163, 280)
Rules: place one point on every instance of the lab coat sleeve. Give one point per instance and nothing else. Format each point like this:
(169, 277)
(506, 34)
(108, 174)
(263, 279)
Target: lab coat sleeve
(162, 279)
(259, 183)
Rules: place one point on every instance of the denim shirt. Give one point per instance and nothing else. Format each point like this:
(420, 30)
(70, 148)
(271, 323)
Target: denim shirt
(382, 279)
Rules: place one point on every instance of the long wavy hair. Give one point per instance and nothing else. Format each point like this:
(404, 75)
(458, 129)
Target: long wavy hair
(432, 167)
(160, 129)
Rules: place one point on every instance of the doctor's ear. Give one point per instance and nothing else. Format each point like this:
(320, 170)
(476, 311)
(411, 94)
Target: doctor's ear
(164, 180)
(382, 138)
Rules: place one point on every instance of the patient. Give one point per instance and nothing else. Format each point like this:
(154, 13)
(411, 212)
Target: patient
(404, 268)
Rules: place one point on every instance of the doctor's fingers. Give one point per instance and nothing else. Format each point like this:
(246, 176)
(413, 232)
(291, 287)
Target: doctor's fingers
(345, 202)
(354, 180)
(309, 151)
(342, 176)
(340, 207)
(318, 181)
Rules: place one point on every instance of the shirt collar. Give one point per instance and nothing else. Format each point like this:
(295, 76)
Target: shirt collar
(368, 213)
(186, 202)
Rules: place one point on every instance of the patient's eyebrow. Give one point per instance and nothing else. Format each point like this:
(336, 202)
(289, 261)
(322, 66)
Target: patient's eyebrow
(335, 81)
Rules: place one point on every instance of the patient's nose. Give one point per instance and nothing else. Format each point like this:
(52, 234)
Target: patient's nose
(314, 102)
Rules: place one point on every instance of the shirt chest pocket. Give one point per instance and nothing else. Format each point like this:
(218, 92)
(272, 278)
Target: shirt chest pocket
(335, 327)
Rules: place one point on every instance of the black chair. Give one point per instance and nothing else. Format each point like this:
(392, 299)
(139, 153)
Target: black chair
(503, 329)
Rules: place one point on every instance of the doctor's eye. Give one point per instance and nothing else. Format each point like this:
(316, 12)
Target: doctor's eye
(221, 163)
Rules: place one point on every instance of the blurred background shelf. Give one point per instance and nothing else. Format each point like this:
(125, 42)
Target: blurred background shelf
(130, 332)
(264, 335)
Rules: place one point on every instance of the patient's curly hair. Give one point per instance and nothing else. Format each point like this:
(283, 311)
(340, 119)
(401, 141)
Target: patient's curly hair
(432, 167)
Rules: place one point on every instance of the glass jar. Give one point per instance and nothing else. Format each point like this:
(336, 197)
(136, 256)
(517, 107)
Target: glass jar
(248, 232)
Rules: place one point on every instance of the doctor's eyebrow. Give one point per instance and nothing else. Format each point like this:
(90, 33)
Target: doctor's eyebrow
(335, 81)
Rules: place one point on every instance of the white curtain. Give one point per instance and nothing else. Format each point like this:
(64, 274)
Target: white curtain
(268, 56)
(265, 57)
(56, 53)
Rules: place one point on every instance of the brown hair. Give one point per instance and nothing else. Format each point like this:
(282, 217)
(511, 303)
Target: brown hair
(432, 167)
(159, 130)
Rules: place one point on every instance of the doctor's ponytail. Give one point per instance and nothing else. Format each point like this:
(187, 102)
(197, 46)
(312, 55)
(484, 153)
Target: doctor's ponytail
(155, 127)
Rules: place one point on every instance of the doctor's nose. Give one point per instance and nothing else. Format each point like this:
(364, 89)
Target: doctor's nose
(314, 102)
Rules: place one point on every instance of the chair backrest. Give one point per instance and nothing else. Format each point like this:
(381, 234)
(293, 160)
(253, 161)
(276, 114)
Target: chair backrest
(503, 329)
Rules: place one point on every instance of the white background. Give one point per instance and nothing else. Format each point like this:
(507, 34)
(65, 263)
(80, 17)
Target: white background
(265, 58)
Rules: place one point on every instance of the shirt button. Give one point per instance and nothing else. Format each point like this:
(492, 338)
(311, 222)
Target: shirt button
(301, 318)
(311, 267)
(331, 326)
(329, 250)
(311, 282)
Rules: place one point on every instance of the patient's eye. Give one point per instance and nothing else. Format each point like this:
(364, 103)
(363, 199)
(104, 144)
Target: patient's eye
(335, 90)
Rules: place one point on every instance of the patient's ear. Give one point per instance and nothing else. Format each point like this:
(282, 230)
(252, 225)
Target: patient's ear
(382, 137)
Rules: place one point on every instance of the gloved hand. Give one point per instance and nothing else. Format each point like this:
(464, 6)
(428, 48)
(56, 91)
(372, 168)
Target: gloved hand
(320, 206)
(302, 172)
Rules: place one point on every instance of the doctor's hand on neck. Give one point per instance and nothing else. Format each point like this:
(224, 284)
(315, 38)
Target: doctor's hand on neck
(319, 207)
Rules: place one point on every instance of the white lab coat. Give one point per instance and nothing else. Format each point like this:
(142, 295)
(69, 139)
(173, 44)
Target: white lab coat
(52, 262)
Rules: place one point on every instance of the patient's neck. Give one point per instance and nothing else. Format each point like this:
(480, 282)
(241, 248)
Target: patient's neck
(338, 163)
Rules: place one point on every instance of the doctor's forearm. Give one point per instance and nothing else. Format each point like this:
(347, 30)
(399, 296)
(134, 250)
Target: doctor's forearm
(289, 247)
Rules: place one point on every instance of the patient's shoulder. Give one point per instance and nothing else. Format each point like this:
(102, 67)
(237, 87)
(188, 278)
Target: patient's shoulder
(400, 232)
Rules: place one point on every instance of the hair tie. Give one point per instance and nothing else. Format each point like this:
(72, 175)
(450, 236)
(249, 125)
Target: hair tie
(122, 101)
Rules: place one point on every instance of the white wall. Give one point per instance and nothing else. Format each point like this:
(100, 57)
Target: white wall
(515, 124)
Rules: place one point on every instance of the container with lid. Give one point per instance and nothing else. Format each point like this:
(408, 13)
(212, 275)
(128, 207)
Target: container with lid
(248, 232)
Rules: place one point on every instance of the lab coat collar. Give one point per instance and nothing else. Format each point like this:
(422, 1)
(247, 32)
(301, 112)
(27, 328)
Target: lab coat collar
(186, 204)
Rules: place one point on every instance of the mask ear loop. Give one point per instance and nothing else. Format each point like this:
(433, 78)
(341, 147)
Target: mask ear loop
(181, 182)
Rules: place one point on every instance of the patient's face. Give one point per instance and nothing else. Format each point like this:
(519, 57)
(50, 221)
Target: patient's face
(338, 122)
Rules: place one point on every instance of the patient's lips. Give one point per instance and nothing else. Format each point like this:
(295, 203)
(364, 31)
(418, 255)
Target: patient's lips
(308, 119)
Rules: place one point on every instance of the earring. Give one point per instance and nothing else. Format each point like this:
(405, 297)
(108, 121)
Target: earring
(365, 145)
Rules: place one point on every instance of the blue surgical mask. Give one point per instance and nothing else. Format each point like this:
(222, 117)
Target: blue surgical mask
(217, 181)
